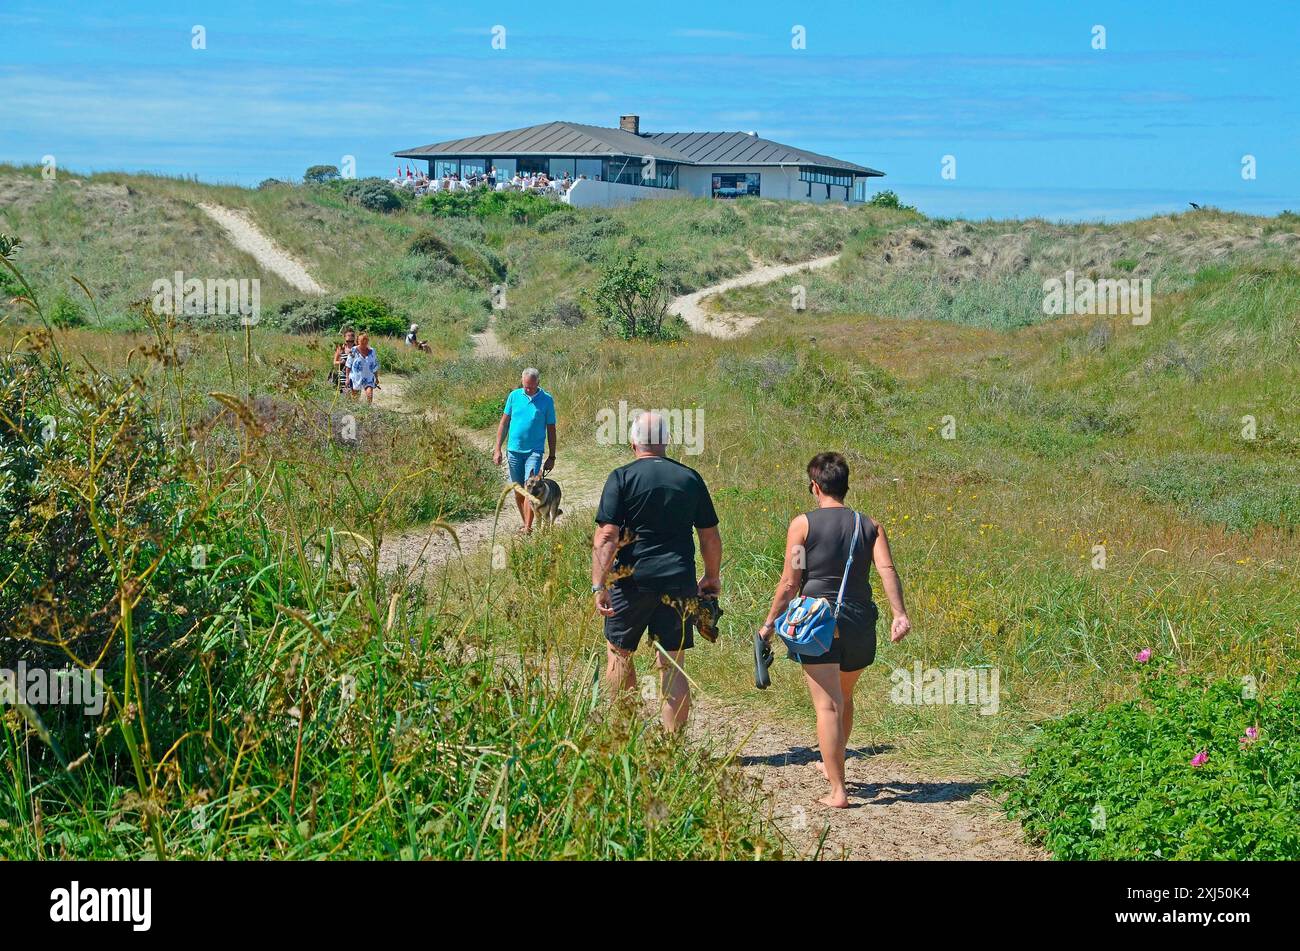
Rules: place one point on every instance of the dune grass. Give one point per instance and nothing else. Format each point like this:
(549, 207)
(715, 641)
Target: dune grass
(1083, 433)
(269, 693)
(1109, 488)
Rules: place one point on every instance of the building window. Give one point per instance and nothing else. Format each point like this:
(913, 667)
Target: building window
(442, 168)
(472, 166)
(504, 167)
(736, 184)
(589, 168)
(632, 170)
(825, 177)
(563, 166)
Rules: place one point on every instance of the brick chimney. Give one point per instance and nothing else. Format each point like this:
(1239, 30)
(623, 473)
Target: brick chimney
(630, 124)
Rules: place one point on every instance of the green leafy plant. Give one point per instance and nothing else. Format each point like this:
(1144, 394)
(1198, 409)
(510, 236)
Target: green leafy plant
(373, 194)
(1187, 770)
(374, 315)
(321, 173)
(485, 203)
(632, 298)
(317, 315)
(66, 312)
(889, 199)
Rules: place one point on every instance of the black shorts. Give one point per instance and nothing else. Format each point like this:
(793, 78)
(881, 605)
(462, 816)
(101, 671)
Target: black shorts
(636, 608)
(854, 646)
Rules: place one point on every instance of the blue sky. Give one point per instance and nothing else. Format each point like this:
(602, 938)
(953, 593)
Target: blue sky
(1038, 121)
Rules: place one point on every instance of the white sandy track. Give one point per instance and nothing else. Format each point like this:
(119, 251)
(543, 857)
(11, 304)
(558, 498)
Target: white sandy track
(250, 239)
(487, 345)
(690, 307)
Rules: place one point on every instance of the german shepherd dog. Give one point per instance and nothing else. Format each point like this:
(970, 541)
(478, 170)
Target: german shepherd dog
(543, 495)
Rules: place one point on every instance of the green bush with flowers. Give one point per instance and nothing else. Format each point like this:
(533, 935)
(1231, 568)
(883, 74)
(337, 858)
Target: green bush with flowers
(1188, 769)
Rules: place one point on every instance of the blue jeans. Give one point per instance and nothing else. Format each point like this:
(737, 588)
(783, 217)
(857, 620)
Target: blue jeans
(523, 463)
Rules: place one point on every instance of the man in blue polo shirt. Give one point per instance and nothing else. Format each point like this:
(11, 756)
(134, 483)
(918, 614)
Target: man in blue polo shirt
(529, 418)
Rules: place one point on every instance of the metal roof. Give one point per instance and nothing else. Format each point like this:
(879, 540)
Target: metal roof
(742, 148)
(688, 148)
(550, 138)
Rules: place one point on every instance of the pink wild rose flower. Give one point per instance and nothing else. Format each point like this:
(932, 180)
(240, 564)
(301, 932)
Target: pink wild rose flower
(1200, 759)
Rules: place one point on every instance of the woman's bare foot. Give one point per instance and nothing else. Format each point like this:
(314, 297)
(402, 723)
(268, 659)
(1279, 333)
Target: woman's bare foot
(820, 767)
(835, 800)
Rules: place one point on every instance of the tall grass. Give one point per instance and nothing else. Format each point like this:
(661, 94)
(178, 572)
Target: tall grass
(275, 694)
(1068, 437)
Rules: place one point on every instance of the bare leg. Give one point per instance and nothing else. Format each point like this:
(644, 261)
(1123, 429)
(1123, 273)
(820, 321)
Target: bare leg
(620, 672)
(675, 690)
(525, 510)
(824, 687)
(370, 395)
(848, 680)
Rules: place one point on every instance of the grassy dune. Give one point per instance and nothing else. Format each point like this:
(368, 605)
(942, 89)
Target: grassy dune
(1083, 432)
(304, 705)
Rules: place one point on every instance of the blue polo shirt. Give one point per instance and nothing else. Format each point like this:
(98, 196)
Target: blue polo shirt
(529, 419)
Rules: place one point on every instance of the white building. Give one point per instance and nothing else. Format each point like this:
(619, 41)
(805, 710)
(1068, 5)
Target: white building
(616, 166)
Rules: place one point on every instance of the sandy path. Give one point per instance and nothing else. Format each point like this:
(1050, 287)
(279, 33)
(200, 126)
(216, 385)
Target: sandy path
(250, 239)
(422, 549)
(690, 307)
(487, 345)
(895, 813)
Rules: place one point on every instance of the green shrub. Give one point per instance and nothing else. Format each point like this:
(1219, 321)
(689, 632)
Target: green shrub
(485, 203)
(889, 199)
(431, 244)
(66, 312)
(632, 299)
(373, 194)
(318, 174)
(558, 313)
(93, 492)
(314, 316)
(374, 315)
(1173, 774)
(9, 285)
(476, 261)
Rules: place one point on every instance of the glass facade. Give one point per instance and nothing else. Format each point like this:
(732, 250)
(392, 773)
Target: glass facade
(826, 177)
(736, 184)
(630, 170)
(649, 173)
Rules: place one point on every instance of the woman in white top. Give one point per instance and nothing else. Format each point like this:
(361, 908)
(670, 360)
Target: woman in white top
(363, 369)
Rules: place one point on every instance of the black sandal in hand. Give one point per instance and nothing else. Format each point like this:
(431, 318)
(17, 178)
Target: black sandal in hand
(763, 658)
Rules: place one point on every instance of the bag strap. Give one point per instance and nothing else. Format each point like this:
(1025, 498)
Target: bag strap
(857, 527)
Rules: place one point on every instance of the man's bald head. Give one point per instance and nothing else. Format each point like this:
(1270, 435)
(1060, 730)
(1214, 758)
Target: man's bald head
(650, 433)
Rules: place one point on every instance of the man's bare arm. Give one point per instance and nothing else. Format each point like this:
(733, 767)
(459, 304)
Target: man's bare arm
(604, 546)
(711, 552)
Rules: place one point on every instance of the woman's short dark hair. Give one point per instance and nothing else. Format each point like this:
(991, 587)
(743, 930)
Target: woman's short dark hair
(830, 471)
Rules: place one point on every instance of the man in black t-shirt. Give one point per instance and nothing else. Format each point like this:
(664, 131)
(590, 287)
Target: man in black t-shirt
(657, 503)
